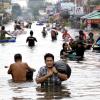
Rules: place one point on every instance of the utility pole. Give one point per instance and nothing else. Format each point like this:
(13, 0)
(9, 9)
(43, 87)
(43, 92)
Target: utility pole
(2, 12)
(2, 5)
(75, 4)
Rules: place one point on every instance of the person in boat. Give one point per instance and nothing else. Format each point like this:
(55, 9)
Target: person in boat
(31, 40)
(48, 74)
(65, 51)
(44, 32)
(3, 33)
(19, 70)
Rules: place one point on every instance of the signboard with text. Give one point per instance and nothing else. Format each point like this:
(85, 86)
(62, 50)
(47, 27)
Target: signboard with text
(79, 11)
(93, 21)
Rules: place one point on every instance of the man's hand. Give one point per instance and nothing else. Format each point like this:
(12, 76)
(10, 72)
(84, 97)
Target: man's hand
(50, 73)
(54, 70)
(65, 54)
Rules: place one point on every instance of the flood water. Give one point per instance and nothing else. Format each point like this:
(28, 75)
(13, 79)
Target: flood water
(84, 83)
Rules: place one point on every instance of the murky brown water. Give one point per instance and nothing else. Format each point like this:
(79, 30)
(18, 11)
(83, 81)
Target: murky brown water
(84, 83)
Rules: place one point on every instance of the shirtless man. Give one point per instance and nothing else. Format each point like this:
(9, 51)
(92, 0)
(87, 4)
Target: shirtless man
(3, 33)
(19, 70)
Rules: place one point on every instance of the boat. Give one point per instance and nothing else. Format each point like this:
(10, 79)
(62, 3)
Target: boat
(72, 56)
(97, 45)
(8, 39)
(39, 23)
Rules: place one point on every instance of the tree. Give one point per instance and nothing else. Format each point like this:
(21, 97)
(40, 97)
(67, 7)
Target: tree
(35, 11)
(16, 10)
(35, 6)
(65, 14)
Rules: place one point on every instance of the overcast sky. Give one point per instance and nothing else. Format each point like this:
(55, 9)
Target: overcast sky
(24, 4)
(53, 1)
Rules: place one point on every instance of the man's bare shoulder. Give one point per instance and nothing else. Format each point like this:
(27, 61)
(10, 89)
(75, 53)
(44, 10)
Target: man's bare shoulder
(12, 64)
(25, 63)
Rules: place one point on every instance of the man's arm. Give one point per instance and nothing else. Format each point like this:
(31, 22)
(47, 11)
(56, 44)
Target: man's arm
(9, 70)
(27, 40)
(29, 68)
(35, 39)
(62, 76)
(40, 79)
(8, 33)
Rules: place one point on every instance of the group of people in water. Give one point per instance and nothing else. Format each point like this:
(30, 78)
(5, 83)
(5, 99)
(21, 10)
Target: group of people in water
(18, 29)
(76, 48)
(49, 74)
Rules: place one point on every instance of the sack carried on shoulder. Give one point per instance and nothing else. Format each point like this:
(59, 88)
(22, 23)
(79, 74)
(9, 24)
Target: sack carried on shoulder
(62, 67)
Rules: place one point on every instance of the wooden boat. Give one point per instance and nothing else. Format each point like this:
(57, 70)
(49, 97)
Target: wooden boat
(8, 39)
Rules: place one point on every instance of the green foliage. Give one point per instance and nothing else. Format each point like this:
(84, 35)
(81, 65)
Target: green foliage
(65, 15)
(35, 11)
(35, 6)
(16, 10)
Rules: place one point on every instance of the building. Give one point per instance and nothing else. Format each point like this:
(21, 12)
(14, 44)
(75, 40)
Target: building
(5, 4)
(5, 11)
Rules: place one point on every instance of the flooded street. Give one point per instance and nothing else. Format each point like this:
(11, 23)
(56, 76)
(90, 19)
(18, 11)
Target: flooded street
(84, 83)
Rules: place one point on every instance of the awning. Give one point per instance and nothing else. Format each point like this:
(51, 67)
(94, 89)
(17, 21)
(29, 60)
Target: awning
(93, 15)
